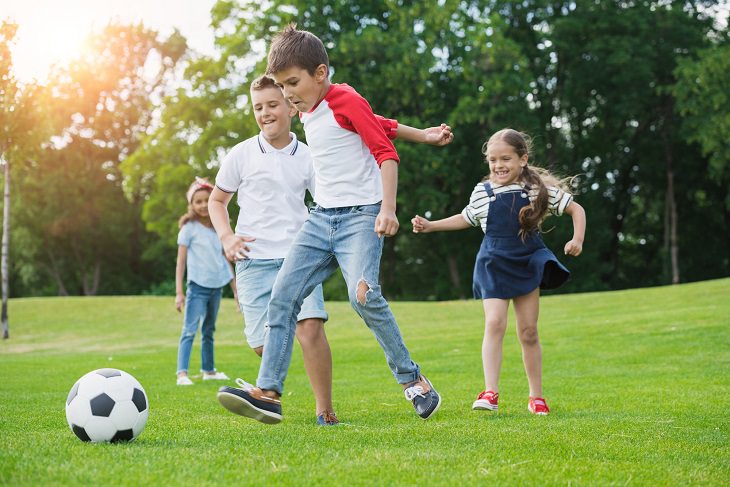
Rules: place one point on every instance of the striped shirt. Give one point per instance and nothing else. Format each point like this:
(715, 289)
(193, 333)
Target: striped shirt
(475, 213)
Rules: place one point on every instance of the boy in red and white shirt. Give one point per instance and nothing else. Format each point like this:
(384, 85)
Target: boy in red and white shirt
(356, 173)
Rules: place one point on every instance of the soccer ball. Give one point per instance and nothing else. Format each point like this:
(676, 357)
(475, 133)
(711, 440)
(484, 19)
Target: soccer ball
(107, 405)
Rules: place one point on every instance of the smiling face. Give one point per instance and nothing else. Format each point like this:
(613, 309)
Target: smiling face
(273, 115)
(199, 203)
(505, 165)
(302, 89)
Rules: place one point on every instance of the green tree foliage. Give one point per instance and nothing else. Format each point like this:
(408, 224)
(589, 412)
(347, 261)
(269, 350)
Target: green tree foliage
(22, 129)
(591, 81)
(82, 233)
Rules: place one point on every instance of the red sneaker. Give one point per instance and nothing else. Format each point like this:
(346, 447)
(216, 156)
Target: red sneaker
(486, 400)
(537, 405)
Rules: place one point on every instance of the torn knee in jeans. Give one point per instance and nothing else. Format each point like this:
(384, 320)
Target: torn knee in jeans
(362, 291)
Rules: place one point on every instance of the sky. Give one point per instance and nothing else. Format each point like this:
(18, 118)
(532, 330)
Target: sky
(52, 31)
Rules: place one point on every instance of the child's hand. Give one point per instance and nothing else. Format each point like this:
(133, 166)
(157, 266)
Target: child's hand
(574, 248)
(386, 223)
(235, 247)
(179, 302)
(440, 135)
(420, 224)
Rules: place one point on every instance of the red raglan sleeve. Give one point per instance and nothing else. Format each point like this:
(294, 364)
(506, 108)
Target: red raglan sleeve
(353, 113)
(390, 126)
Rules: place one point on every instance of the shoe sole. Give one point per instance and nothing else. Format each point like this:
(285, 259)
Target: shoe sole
(484, 406)
(434, 410)
(242, 407)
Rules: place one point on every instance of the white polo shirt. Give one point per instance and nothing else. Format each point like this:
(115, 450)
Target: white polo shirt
(271, 185)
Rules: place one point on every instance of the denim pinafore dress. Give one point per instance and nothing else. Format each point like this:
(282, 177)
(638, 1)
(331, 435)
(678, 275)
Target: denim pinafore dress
(506, 267)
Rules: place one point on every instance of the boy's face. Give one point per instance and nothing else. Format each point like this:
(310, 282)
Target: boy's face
(273, 114)
(302, 89)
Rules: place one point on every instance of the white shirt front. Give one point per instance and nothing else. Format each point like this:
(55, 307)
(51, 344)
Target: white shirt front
(271, 185)
(348, 144)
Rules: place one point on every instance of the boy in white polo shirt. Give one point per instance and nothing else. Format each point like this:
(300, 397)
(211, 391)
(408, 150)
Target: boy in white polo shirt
(271, 173)
(355, 210)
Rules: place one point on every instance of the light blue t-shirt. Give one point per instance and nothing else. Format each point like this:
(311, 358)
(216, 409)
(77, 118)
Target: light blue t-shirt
(207, 266)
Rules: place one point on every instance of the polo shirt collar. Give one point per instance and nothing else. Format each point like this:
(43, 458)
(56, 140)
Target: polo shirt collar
(290, 149)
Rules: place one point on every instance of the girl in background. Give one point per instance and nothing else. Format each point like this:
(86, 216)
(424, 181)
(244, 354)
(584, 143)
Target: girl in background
(208, 271)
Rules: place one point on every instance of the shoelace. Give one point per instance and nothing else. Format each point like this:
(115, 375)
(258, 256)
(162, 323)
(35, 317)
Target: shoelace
(244, 385)
(414, 391)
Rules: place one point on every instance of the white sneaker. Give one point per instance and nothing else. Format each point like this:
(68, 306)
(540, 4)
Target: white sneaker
(216, 376)
(184, 380)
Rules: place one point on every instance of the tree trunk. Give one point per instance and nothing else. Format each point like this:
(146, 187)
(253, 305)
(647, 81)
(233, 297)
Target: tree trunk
(5, 246)
(53, 271)
(671, 210)
(90, 289)
(672, 214)
(454, 274)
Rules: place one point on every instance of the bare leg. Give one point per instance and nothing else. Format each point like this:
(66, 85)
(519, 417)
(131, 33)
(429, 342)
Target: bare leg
(317, 361)
(527, 309)
(495, 314)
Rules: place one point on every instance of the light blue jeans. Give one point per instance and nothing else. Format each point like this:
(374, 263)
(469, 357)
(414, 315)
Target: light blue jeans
(201, 304)
(331, 237)
(254, 281)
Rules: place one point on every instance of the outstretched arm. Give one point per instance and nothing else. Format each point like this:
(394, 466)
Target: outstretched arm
(575, 246)
(423, 225)
(438, 136)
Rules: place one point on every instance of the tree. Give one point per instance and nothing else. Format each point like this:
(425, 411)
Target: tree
(564, 71)
(703, 103)
(104, 102)
(21, 130)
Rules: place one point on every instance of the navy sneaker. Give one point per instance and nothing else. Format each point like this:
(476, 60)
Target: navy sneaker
(426, 401)
(251, 402)
(327, 418)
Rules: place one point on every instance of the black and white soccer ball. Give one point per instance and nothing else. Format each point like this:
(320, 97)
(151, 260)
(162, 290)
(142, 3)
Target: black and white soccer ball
(107, 405)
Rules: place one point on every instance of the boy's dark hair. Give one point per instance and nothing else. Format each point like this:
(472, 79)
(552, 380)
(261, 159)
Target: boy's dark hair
(292, 47)
(262, 83)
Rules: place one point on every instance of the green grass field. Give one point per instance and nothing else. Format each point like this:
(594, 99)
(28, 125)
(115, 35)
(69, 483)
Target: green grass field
(638, 383)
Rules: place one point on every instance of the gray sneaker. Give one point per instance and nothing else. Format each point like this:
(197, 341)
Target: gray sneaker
(426, 401)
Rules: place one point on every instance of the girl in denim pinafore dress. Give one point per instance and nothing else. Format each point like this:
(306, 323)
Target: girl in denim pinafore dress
(513, 263)
(506, 266)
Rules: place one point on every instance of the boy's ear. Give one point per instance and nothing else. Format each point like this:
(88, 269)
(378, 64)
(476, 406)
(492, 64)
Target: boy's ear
(321, 72)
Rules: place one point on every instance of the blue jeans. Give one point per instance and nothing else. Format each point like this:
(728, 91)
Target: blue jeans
(201, 304)
(254, 281)
(331, 237)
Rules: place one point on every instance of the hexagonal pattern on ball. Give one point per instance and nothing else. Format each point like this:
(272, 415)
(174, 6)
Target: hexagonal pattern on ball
(107, 405)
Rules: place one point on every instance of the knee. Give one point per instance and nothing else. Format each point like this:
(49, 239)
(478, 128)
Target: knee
(188, 333)
(364, 293)
(495, 326)
(528, 336)
(310, 331)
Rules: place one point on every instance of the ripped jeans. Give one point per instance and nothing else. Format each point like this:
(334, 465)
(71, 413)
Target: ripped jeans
(330, 237)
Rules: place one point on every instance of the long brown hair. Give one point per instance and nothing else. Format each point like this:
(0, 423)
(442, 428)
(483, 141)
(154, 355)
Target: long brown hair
(536, 180)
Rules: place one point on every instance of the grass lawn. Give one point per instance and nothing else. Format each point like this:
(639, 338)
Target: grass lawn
(638, 383)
